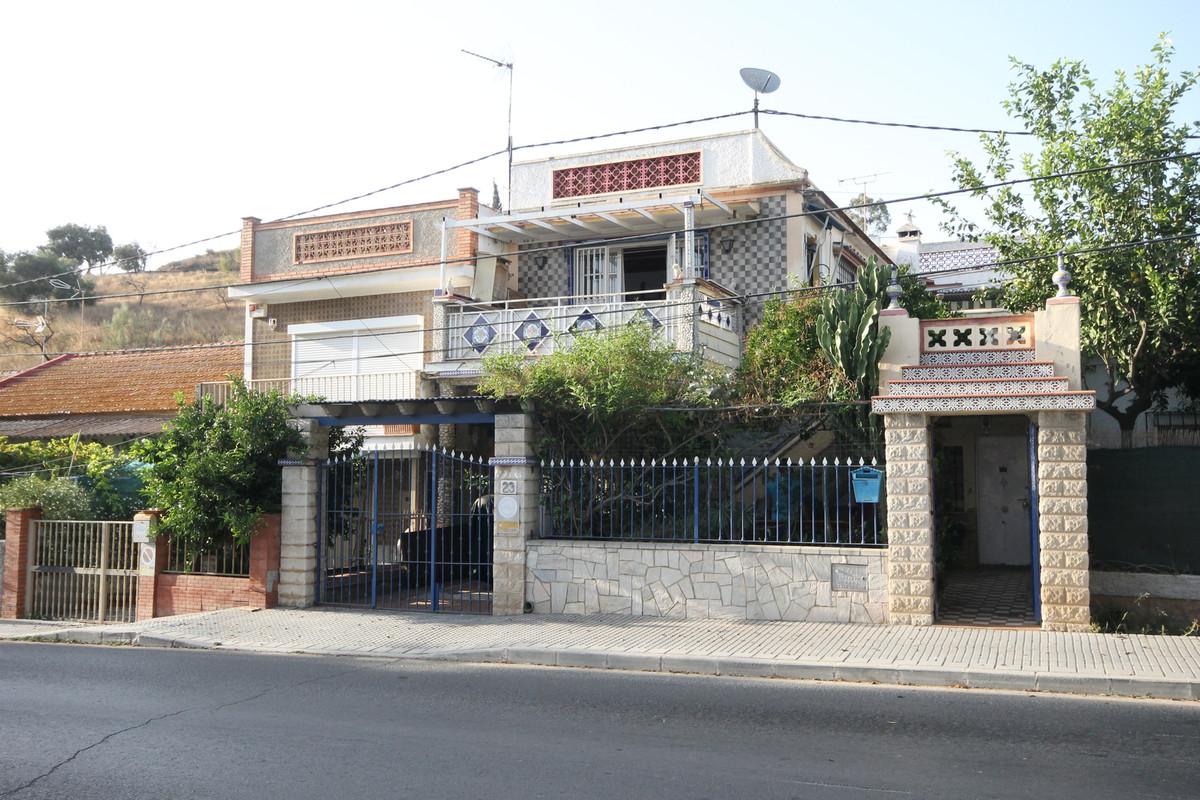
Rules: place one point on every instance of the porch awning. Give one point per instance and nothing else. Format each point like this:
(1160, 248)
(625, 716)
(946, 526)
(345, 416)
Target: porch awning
(616, 217)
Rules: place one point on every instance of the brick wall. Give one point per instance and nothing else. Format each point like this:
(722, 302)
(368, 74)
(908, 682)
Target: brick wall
(166, 594)
(16, 561)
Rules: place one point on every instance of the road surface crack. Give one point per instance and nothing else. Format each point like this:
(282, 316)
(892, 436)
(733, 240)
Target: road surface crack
(33, 781)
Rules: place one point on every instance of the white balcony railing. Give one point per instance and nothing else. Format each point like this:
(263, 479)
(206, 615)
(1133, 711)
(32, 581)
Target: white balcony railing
(333, 388)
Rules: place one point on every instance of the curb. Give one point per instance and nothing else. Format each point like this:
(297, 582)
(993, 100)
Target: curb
(1081, 684)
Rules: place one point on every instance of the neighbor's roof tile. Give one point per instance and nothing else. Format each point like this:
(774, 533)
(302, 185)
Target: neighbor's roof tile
(120, 381)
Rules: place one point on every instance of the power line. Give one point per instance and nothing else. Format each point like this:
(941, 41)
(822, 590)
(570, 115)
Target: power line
(911, 125)
(642, 236)
(658, 306)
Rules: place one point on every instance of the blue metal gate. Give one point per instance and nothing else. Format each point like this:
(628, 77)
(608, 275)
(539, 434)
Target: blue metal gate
(408, 530)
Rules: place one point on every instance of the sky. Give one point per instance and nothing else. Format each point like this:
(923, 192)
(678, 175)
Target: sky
(168, 122)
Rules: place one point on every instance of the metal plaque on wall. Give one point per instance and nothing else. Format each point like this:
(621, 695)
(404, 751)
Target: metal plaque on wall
(848, 577)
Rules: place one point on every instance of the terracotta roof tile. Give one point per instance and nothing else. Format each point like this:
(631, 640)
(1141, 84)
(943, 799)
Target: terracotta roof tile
(119, 381)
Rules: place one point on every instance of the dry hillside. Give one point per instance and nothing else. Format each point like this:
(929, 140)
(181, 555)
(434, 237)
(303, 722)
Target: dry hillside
(137, 321)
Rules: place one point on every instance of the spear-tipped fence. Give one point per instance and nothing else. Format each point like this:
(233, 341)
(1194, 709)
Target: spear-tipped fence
(709, 500)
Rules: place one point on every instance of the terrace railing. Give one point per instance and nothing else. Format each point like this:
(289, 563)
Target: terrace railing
(333, 388)
(710, 501)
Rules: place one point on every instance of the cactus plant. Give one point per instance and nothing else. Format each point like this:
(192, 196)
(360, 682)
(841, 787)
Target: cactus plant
(848, 329)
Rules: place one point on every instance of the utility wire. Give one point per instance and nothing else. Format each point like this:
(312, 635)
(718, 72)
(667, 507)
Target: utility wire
(658, 306)
(912, 125)
(641, 236)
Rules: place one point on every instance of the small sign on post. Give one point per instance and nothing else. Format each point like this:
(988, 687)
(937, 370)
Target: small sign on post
(141, 530)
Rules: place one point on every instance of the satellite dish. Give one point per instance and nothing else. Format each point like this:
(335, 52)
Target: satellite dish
(762, 81)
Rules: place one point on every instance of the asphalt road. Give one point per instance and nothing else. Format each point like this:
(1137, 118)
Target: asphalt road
(119, 722)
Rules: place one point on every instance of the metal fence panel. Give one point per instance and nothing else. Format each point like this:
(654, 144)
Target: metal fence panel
(709, 501)
(407, 529)
(84, 570)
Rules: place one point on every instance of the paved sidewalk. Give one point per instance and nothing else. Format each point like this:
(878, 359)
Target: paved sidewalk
(995, 658)
(23, 628)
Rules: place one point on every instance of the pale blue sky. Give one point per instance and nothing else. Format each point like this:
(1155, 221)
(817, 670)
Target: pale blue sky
(167, 122)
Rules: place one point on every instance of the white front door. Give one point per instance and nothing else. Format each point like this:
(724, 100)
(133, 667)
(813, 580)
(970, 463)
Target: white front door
(597, 273)
(1002, 478)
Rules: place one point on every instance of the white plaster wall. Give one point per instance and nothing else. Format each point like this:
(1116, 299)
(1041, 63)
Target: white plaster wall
(660, 579)
(727, 160)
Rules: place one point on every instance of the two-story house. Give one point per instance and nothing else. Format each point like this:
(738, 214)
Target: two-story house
(689, 236)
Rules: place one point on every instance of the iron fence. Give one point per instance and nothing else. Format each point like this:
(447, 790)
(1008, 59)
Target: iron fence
(710, 501)
(221, 557)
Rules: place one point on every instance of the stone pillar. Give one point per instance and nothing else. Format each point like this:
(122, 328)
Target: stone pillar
(18, 560)
(515, 489)
(909, 520)
(299, 520)
(683, 297)
(1062, 520)
(152, 560)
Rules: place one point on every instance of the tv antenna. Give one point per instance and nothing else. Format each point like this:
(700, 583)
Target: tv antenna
(862, 181)
(762, 81)
(508, 65)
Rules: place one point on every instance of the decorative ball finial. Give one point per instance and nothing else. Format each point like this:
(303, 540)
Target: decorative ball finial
(893, 290)
(1061, 277)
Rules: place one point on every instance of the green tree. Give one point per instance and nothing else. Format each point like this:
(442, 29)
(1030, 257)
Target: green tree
(137, 327)
(872, 219)
(1138, 303)
(215, 471)
(130, 257)
(80, 244)
(59, 498)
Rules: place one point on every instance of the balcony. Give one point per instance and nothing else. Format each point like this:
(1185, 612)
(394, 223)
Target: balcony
(695, 316)
(333, 388)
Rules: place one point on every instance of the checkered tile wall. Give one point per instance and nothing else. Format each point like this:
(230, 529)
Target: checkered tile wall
(547, 281)
(758, 260)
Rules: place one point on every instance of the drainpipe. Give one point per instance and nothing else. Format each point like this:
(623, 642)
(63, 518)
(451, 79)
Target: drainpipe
(442, 284)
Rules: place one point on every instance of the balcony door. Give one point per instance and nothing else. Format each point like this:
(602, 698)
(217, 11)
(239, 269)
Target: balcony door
(598, 274)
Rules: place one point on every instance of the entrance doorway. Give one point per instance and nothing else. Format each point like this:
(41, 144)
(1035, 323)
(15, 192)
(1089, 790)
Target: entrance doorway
(645, 271)
(985, 546)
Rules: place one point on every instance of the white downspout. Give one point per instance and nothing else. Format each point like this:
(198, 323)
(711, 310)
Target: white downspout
(442, 287)
(248, 348)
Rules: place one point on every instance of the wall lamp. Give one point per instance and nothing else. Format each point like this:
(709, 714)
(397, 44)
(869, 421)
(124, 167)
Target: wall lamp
(540, 260)
(726, 243)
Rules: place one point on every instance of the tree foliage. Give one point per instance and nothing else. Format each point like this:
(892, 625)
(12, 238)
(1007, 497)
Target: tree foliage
(106, 473)
(1138, 303)
(79, 244)
(215, 471)
(872, 219)
(782, 361)
(130, 257)
(605, 392)
(59, 498)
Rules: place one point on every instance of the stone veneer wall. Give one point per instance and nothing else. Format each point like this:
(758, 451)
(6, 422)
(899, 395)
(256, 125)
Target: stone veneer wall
(1062, 520)
(909, 520)
(694, 580)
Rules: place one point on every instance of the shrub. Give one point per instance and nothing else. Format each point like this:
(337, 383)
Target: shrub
(215, 471)
(59, 498)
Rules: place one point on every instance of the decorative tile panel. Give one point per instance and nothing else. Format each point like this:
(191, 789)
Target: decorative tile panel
(956, 357)
(532, 331)
(978, 334)
(646, 317)
(391, 238)
(992, 387)
(967, 372)
(679, 169)
(585, 322)
(1065, 401)
(481, 334)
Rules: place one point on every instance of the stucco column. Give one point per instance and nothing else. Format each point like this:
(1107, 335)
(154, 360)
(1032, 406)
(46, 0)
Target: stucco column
(515, 488)
(909, 520)
(152, 560)
(1062, 520)
(299, 523)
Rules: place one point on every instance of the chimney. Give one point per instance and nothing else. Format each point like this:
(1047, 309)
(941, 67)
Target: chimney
(908, 246)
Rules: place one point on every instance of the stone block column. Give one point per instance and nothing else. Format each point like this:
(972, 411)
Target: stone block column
(18, 560)
(515, 489)
(299, 524)
(1062, 520)
(909, 520)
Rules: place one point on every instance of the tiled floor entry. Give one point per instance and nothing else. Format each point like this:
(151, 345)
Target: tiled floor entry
(991, 596)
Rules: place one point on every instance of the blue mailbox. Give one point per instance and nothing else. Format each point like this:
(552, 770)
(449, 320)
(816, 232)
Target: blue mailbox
(866, 482)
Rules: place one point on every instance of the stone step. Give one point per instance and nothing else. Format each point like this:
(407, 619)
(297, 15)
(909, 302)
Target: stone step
(983, 403)
(943, 358)
(981, 386)
(967, 372)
